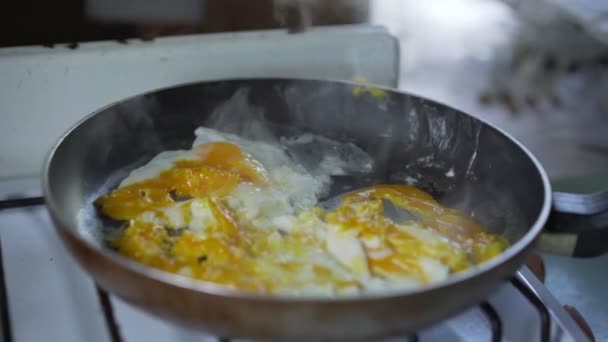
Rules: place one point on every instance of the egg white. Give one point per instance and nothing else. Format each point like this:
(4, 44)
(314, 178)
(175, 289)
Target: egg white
(283, 207)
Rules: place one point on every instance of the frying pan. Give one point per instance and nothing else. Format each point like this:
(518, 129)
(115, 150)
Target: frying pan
(464, 162)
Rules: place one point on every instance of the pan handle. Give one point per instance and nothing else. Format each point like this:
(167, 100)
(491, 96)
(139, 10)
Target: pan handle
(580, 204)
(578, 213)
(578, 225)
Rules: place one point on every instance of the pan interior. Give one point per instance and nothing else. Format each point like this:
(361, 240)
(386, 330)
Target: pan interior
(463, 162)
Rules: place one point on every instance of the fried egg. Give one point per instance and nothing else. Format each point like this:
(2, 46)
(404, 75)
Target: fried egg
(244, 214)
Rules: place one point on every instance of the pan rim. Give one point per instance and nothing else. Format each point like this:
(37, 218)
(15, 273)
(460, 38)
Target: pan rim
(214, 289)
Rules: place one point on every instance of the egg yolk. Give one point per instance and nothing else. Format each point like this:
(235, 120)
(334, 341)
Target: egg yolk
(234, 252)
(220, 168)
(228, 156)
(407, 197)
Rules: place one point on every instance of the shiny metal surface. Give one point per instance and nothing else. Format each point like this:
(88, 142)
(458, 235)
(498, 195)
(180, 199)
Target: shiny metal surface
(59, 79)
(561, 316)
(408, 137)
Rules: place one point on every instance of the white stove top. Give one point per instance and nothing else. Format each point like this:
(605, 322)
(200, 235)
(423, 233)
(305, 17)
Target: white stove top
(46, 90)
(51, 298)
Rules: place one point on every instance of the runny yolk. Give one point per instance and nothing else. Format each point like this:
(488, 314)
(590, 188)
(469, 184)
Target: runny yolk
(185, 179)
(450, 223)
(407, 197)
(230, 157)
(221, 167)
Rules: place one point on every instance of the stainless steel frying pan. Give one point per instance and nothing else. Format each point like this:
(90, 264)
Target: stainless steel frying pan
(462, 161)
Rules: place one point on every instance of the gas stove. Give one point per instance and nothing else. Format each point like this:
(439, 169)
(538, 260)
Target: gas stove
(48, 297)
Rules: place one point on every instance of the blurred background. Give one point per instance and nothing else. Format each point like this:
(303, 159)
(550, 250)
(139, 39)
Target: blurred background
(535, 68)
(538, 69)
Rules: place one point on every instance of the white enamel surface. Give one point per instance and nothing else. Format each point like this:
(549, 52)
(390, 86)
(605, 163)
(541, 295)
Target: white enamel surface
(45, 91)
(135, 325)
(49, 297)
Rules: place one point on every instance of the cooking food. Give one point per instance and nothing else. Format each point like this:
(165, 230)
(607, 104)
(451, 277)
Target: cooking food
(461, 157)
(244, 214)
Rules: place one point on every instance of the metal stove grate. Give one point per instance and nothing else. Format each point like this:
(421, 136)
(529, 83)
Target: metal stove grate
(5, 322)
(545, 318)
(490, 313)
(521, 282)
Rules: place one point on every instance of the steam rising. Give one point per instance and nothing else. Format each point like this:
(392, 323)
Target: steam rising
(325, 129)
(237, 120)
